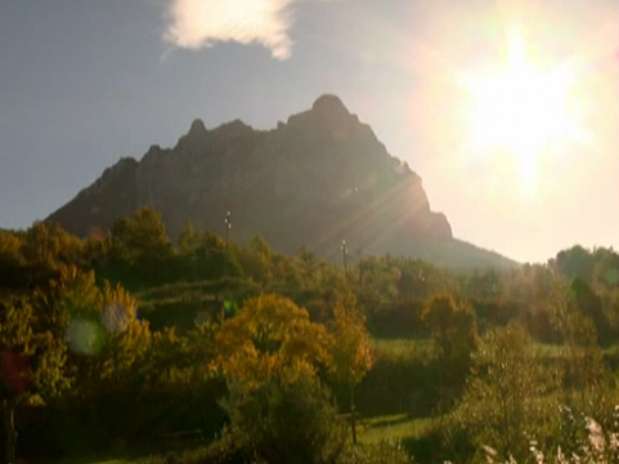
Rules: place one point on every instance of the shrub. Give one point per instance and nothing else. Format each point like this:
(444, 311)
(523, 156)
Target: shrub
(283, 421)
(505, 396)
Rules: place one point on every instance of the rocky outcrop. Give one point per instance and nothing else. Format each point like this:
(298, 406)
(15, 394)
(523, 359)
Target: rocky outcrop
(315, 180)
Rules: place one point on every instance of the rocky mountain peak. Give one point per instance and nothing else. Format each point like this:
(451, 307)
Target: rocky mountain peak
(194, 140)
(197, 129)
(328, 104)
(318, 179)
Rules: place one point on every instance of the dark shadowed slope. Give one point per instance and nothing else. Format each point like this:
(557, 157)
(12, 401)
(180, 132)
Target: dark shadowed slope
(316, 180)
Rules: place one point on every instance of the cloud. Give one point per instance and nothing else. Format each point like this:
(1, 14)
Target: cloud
(195, 24)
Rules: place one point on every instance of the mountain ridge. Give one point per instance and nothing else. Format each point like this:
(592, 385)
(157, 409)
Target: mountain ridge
(317, 179)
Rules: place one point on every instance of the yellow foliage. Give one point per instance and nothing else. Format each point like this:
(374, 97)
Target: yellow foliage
(38, 366)
(351, 351)
(271, 336)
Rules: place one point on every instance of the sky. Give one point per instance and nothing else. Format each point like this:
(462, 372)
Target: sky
(83, 84)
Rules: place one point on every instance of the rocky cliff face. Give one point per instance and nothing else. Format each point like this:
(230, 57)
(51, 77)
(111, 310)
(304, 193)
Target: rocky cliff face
(313, 181)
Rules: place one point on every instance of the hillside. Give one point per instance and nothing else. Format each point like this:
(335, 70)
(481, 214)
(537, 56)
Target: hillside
(320, 178)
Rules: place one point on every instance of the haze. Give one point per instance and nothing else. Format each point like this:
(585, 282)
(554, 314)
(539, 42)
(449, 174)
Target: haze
(517, 148)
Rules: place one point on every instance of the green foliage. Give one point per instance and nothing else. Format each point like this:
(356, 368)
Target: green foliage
(454, 331)
(577, 262)
(403, 378)
(503, 404)
(203, 255)
(453, 326)
(139, 238)
(140, 248)
(591, 305)
(283, 421)
(267, 333)
(595, 445)
(257, 260)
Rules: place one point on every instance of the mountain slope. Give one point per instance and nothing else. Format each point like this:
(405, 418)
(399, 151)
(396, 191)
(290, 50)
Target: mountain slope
(320, 178)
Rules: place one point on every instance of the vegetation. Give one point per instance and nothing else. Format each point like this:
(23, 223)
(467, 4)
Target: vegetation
(131, 345)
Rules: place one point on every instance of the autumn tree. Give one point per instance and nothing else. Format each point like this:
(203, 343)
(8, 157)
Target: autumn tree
(12, 262)
(33, 364)
(107, 347)
(270, 336)
(270, 355)
(103, 331)
(351, 353)
(32, 258)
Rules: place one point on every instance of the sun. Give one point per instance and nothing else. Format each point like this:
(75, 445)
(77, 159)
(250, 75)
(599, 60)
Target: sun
(522, 111)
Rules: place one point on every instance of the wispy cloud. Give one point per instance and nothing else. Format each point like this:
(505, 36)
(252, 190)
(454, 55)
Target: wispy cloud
(194, 24)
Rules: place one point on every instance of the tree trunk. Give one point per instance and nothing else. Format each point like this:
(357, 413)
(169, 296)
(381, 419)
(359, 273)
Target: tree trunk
(11, 434)
(353, 415)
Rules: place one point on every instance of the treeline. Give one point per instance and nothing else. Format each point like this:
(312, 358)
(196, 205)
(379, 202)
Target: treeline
(126, 338)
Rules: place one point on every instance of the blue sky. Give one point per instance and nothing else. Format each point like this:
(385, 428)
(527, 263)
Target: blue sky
(85, 83)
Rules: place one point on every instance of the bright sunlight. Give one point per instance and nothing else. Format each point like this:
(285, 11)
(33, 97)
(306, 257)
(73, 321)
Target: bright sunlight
(522, 111)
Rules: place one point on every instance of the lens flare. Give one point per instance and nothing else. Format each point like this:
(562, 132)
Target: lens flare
(522, 110)
(84, 336)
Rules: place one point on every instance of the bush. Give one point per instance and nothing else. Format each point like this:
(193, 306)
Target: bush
(507, 397)
(284, 421)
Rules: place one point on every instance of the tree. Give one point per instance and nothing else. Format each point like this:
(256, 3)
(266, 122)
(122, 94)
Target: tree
(270, 355)
(137, 236)
(256, 259)
(453, 327)
(591, 305)
(203, 255)
(99, 324)
(586, 379)
(501, 406)
(576, 262)
(12, 262)
(140, 244)
(188, 240)
(351, 353)
(270, 336)
(107, 349)
(33, 364)
(287, 420)
(32, 258)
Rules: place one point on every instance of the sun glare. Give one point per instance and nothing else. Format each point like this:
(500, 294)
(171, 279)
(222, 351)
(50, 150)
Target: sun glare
(522, 111)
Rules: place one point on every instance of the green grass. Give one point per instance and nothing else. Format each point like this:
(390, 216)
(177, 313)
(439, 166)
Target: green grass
(393, 427)
(402, 347)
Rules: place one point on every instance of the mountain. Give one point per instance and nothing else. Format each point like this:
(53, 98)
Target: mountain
(320, 178)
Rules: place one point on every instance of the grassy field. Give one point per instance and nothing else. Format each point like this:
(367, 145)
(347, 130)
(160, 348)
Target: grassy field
(394, 427)
(402, 347)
